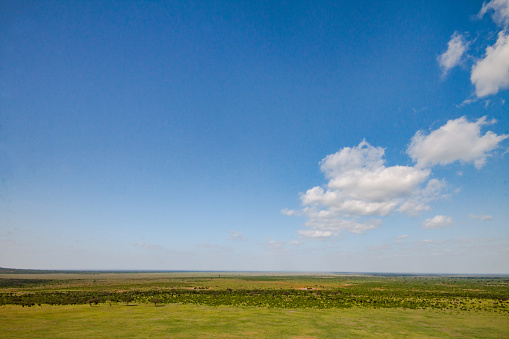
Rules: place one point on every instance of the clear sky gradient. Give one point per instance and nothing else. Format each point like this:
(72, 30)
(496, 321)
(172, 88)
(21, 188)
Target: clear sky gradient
(255, 135)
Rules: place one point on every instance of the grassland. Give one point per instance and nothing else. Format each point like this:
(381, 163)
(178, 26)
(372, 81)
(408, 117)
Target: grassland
(249, 305)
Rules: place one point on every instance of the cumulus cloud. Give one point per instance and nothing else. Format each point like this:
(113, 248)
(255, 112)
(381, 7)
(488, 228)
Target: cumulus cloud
(452, 57)
(458, 140)
(481, 217)
(500, 10)
(418, 202)
(360, 174)
(360, 189)
(491, 73)
(325, 222)
(438, 221)
(342, 202)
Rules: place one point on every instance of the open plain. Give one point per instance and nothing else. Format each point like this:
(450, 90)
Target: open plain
(251, 305)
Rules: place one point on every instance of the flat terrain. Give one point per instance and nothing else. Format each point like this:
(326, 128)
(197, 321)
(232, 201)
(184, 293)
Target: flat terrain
(195, 321)
(251, 305)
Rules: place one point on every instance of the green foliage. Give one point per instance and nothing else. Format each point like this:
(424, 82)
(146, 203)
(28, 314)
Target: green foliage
(252, 305)
(24, 282)
(127, 298)
(473, 293)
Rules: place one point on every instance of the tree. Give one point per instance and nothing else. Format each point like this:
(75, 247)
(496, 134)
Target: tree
(155, 301)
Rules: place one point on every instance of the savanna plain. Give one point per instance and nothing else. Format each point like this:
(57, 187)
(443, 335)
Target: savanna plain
(65, 304)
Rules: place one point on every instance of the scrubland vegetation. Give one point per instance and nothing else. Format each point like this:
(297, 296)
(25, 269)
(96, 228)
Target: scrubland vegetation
(467, 293)
(456, 303)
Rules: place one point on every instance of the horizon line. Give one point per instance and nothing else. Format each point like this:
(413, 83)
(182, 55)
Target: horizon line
(5, 270)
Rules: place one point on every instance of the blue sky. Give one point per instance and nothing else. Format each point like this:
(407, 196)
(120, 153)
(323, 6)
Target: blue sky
(255, 135)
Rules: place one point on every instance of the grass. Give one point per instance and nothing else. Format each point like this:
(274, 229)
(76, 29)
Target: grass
(194, 321)
(252, 305)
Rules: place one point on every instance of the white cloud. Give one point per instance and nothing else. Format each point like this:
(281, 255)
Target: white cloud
(236, 236)
(361, 207)
(456, 48)
(315, 233)
(458, 140)
(360, 174)
(481, 217)
(327, 222)
(437, 221)
(360, 185)
(413, 207)
(380, 183)
(467, 102)
(418, 201)
(491, 74)
(288, 212)
(348, 159)
(500, 11)
(343, 203)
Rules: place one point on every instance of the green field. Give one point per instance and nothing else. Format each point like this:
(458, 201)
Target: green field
(251, 305)
(191, 321)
